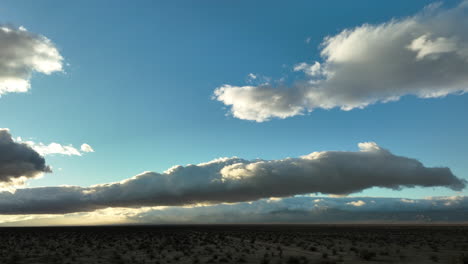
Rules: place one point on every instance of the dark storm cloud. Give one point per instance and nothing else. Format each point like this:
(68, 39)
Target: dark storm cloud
(238, 180)
(18, 160)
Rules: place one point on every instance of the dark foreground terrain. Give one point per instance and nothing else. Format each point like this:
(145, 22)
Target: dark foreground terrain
(273, 244)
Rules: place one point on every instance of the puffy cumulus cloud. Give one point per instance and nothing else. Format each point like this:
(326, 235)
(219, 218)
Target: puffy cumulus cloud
(86, 148)
(21, 54)
(22, 160)
(18, 161)
(261, 102)
(425, 55)
(230, 180)
(56, 148)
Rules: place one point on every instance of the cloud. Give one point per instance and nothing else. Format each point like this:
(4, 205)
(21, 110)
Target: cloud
(229, 180)
(302, 209)
(18, 161)
(357, 203)
(53, 148)
(298, 209)
(56, 148)
(21, 54)
(311, 70)
(22, 160)
(86, 148)
(425, 55)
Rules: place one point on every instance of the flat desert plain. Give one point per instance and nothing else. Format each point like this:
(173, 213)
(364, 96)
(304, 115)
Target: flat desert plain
(288, 244)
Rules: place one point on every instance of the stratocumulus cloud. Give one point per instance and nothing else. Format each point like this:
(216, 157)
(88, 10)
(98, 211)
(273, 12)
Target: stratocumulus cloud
(21, 54)
(238, 180)
(305, 209)
(18, 161)
(425, 55)
(297, 209)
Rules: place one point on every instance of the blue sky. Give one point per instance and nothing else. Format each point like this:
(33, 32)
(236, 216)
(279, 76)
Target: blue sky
(139, 78)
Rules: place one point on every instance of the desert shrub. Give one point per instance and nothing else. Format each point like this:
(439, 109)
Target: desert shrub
(293, 260)
(15, 258)
(296, 260)
(464, 259)
(328, 261)
(223, 260)
(116, 258)
(367, 255)
(241, 259)
(340, 258)
(384, 253)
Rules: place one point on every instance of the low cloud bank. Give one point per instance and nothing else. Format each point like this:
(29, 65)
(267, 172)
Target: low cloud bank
(425, 55)
(316, 210)
(298, 209)
(229, 180)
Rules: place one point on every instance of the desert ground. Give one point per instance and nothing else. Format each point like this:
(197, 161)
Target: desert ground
(273, 244)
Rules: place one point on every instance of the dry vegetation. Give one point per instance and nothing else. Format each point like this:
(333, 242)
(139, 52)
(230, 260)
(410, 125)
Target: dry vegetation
(267, 244)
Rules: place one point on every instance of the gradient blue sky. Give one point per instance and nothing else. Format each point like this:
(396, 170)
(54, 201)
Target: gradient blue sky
(140, 78)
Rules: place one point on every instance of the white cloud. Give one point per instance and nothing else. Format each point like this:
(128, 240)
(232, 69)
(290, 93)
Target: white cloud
(257, 79)
(425, 55)
(21, 54)
(407, 201)
(357, 203)
(258, 103)
(231, 180)
(312, 70)
(86, 148)
(56, 148)
(426, 47)
(252, 76)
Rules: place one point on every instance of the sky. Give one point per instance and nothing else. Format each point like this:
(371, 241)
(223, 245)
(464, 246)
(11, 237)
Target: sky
(105, 105)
